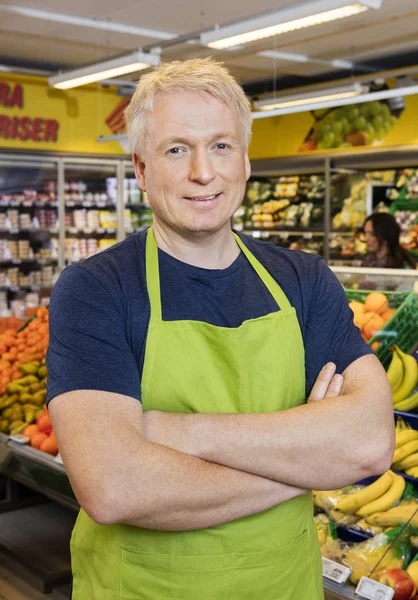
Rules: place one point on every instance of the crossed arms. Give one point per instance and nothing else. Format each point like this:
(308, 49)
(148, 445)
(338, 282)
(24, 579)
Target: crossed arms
(178, 472)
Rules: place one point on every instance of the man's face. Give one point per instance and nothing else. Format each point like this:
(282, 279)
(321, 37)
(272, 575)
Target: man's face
(195, 164)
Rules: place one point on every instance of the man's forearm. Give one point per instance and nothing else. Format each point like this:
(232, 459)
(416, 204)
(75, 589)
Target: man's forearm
(321, 445)
(185, 493)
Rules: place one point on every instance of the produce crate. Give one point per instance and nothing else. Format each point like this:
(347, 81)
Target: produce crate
(401, 329)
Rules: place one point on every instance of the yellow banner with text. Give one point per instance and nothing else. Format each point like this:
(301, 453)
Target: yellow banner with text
(34, 116)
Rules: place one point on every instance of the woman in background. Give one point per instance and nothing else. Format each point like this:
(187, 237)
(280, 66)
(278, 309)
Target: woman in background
(382, 233)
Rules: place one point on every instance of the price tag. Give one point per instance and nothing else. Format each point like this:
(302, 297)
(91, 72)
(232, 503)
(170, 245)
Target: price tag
(101, 204)
(367, 588)
(100, 230)
(334, 571)
(19, 438)
(16, 261)
(13, 231)
(88, 204)
(14, 203)
(70, 204)
(111, 230)
(87, 230)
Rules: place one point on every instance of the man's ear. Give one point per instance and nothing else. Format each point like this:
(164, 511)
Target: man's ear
(247, 167)
(139, 168)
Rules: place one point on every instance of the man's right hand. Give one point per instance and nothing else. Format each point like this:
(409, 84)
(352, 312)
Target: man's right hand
(327, 385)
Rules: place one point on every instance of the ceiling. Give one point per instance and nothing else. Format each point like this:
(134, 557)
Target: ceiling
(375, 40)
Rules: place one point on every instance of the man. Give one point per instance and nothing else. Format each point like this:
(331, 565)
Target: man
(179, 366)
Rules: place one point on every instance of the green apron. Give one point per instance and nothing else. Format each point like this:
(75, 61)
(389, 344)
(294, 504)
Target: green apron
(194, 367)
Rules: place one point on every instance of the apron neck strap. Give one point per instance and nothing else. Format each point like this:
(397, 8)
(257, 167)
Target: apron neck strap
(270, 283)
(153, 275)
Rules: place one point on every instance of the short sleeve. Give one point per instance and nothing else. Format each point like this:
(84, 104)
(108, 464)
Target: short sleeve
(330, 333)
(88, 346)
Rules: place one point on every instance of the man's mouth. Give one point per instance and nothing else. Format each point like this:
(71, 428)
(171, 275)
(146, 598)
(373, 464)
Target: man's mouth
(207, 198)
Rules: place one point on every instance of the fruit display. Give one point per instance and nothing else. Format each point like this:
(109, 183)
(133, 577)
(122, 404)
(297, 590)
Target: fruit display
(371, 315)
(356, 125)
(24, 398)
(403, 379)
(353, 210)
(295, 201)
(19, 348)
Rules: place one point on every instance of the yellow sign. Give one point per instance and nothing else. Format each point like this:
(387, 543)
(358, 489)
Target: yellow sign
(346, 129)
(34, 116)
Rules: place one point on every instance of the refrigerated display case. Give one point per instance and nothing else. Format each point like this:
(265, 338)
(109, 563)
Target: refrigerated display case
(137, 213)
(29, 231)
(91, 207)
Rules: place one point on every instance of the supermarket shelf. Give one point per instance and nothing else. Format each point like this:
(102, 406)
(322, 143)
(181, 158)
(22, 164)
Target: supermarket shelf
(27, 261)
(339, 591)
(27, 204)
(86, 204)
(27, 288)
(91, 230)
(287, 230)
(17, 230)
(138, 205)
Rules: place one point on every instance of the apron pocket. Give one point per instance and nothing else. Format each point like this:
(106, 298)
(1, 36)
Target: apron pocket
(146, 576)
(282, 574)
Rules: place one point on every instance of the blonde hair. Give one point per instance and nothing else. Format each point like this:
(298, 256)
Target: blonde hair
(199, 75)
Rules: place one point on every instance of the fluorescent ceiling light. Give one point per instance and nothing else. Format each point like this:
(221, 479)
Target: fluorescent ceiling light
(54, 17)
(304, 58)
(311, 97)
(307, 14)
(337, 101)
(104, 70)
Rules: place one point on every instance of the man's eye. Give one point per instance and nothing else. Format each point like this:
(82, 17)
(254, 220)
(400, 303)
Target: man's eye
(221, 146)
(174, 151)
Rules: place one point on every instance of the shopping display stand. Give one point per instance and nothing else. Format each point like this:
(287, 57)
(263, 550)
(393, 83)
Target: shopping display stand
(34, 532)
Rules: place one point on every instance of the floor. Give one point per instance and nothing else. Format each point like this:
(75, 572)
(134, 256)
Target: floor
(40, 536)
(14, 586)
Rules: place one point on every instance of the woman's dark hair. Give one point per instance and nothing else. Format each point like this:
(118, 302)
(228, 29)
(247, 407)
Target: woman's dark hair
(386, 229)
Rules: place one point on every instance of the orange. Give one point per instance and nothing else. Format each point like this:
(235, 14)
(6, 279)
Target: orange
(359, 319)
(373, 325)
(356, 307)
(50, 445)
(388, 314)
(375, 346)
(376, 302)
(37, 439)
(30, 431)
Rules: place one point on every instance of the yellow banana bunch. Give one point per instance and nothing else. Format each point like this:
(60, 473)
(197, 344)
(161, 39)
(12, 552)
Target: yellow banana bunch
(405, 450)
(412, 472)
(353, 502)
(407, 463)
(395, 372)
(404, 436)
(388, 499)
(395, 516)
(409, 376)
(408, 405)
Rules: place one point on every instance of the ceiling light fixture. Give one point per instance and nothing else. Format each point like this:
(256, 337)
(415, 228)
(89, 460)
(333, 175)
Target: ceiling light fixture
(319, 102)
(304, 58)
(307, 14)
(312, 97)
(104, 70)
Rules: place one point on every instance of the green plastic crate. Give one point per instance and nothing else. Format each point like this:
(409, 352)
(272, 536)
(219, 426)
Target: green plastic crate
(401, 329)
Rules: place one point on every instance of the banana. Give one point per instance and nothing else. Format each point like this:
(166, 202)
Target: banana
(410, 378)
(408, 404)
(352, 502)
(395, 516)
(393, 495)
(408, 462)
(405, 450)
(407, 435)
(412, 472)
(395, 372)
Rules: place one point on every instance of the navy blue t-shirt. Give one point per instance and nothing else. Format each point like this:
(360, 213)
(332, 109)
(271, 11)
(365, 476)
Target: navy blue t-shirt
(99, 311)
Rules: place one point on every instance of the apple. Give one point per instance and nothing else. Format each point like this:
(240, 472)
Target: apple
(400, 581)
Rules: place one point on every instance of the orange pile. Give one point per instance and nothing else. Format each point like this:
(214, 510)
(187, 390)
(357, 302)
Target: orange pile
(20, 348)
(372, 316)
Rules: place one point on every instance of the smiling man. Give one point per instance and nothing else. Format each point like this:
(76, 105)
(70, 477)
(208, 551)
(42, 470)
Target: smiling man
(185, 383)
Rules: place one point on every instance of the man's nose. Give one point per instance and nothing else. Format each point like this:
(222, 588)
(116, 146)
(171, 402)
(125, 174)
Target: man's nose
(201, 168)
